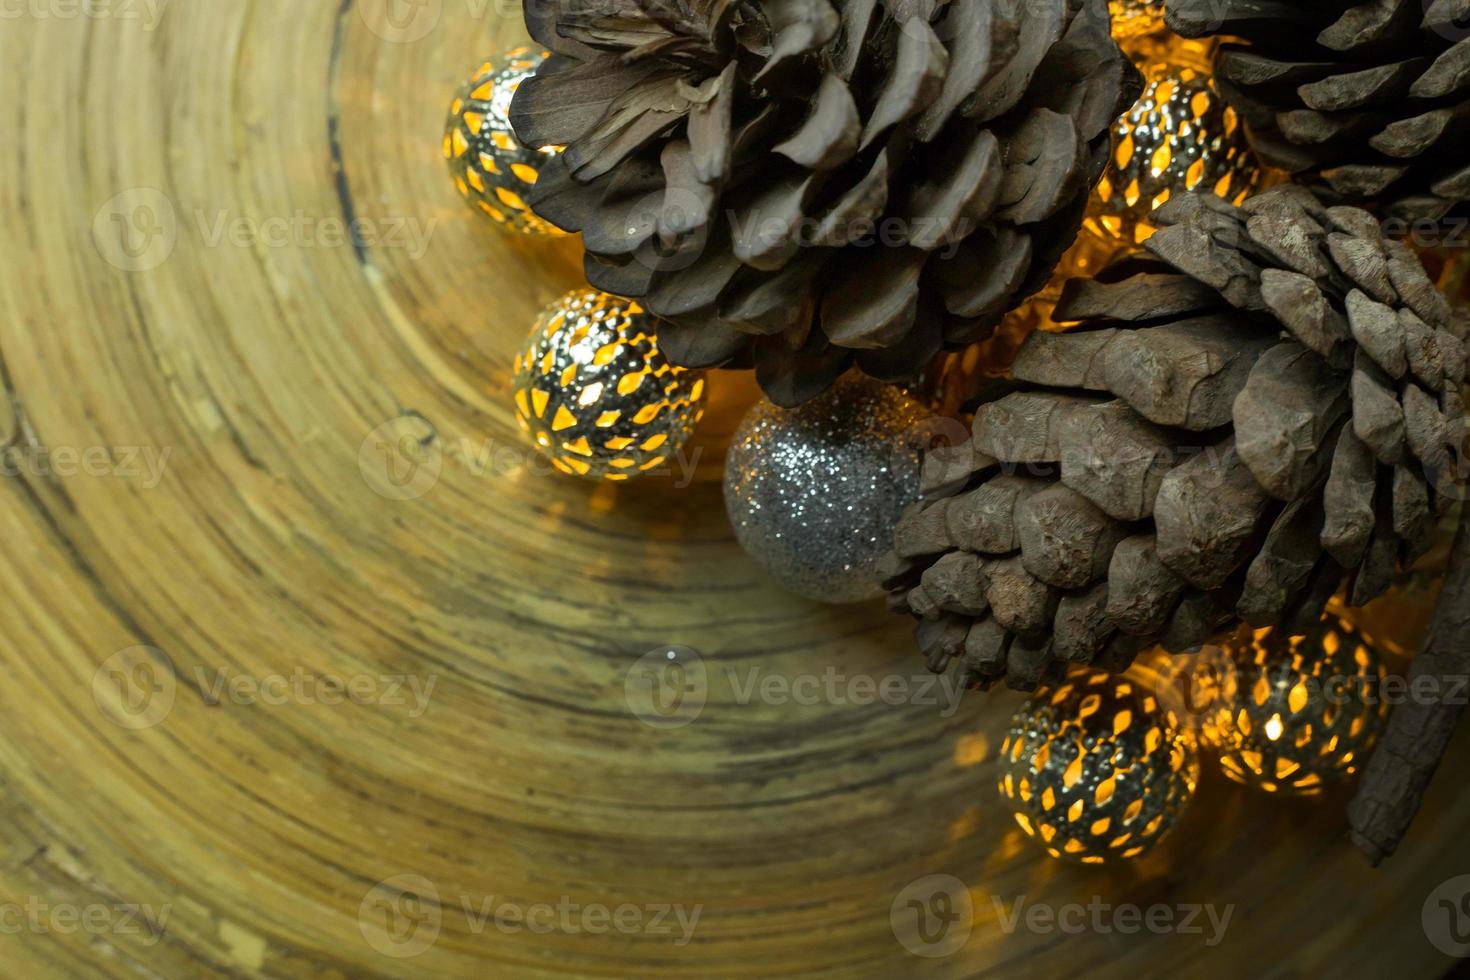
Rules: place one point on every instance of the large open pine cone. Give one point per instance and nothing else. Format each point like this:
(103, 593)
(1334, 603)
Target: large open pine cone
(1370, 98)
(1231, 432)
(802, 183)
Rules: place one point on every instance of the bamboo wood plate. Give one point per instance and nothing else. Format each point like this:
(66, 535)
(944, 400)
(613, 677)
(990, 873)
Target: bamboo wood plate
(174, 183)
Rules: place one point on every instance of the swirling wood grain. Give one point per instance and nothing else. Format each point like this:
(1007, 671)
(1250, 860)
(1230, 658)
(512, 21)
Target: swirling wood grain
(263, 367)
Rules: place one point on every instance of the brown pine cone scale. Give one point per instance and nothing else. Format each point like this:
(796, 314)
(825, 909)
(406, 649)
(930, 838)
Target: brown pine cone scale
(1266, 409)
(1370, 100)
(800, 185)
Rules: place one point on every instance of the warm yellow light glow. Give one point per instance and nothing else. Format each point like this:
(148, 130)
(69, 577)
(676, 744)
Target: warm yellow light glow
(597, 395)
(490, 167)
(1179, 136)
(1095, 770)
(1292, 712)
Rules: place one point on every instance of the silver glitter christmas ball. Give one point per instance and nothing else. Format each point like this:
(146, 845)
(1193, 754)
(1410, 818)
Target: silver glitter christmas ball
(814, 492)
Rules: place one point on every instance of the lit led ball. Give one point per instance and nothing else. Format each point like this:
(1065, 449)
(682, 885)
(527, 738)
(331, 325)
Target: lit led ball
(1136, 18)
(1293, 713)
(1180, 136)
(489, 165)
(1095, 770)
(595, 393)
(814, 492)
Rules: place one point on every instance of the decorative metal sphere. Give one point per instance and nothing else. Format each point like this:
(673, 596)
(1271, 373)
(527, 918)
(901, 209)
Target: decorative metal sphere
(489, 165)
(1293, 713)
(1133, 19)
(814, 492)
(1095, 770)
(1178, 137)
(596, 394)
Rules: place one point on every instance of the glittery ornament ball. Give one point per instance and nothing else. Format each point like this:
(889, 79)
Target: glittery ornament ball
(1096, 770)
(491, 168)
(596, 394)
(1291, 714)
(814, 492)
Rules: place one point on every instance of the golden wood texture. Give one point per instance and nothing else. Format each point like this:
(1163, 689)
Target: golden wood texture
(267, 368)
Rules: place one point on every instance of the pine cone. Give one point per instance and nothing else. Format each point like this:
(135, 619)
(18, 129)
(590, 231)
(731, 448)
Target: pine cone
(804, 183)
(1369, 99)
(1271, 406)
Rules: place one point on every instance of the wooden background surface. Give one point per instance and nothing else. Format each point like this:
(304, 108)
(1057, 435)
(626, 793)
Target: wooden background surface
(139, 143)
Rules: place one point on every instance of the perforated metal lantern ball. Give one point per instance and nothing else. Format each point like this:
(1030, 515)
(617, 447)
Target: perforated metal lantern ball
(1294, 713)
(1180, 136)
(1133, 19)
(595, 393)
(1096, 770)
(491, 168)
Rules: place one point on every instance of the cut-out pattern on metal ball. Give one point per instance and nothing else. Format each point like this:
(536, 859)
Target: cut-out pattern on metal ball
(1133, 19)
(1291, 714)
(595, 393)
(1095, 770)
(1180, 136)
(491, 168)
